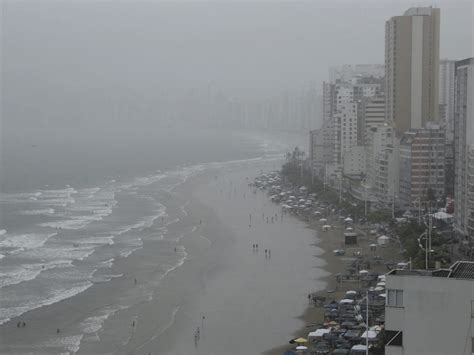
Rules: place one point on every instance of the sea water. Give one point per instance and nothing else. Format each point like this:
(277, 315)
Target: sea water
(63, 224)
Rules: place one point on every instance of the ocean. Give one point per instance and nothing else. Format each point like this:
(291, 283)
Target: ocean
(71, 207)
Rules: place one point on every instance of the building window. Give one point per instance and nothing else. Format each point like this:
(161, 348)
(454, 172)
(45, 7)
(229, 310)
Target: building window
(395, 298)
(393, 338)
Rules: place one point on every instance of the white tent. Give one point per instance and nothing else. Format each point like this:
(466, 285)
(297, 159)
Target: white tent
(383, 240)
(346, 301)
(318, 333)
(442, 215)
(359, 347)
(372, 335)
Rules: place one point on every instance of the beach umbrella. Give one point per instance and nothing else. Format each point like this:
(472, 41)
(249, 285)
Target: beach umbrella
(351, 292)
(381, 284)
(384, 295)
(326, 226)
(379, 288)
(323, 220)
(300, 340)
(346, 301)
(349, 229)
(348, 219)
(301, 347)
(363, 272)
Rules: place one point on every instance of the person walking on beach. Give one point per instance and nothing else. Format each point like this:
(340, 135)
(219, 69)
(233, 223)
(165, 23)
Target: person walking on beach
(135, 280)
(58, 330)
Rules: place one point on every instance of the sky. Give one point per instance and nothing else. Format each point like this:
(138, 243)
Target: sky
(246, 44)
(69, 52)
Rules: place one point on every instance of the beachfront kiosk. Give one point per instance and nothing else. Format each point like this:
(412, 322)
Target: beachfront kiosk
(350, 237)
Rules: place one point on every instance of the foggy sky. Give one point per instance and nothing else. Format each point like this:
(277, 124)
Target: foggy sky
(58, 50)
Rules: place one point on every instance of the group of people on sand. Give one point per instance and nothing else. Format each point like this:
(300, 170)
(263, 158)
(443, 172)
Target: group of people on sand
(197, 335)
(21, 324)
(268, 252)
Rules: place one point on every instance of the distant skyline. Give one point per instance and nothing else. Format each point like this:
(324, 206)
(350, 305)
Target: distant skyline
(247, 45)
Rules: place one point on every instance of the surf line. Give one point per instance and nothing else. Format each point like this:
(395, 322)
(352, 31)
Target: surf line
(173, 317)
(206, 239)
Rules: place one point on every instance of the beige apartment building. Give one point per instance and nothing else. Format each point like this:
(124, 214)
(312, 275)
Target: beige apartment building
(412, 68)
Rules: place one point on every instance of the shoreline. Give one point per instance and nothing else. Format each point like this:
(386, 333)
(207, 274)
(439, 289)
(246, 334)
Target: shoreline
(328, 241)
(219, 268)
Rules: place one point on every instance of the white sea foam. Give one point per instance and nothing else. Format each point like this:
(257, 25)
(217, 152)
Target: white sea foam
(45, 211)
(109, 240)
(94, 324)
(183, 254)
(105, 278)
(70, 343)
(6, 313)
(74, 224)
(56, 252)
(15, 274)
(3, 231)
(25, 241)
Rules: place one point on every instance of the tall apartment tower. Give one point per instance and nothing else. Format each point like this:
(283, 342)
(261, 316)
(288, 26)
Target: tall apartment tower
(464, 148)
(412, 68)
(446, 96)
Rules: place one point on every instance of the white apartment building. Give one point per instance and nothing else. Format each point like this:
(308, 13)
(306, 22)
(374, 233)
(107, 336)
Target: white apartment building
(464, 148)
(379, 138)
(354, 164)
(346, 72)
(446, 96)
(373, 113)
(387, 174)
(422, 165)
(346, 126)
(430, 312)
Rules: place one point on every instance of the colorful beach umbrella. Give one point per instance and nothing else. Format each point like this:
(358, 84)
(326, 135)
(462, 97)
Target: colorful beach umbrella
(301, 340)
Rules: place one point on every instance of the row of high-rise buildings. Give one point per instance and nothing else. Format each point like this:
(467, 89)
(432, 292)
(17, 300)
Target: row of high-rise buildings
(401, 135)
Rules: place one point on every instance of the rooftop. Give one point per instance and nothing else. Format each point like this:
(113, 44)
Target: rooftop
(459, 270)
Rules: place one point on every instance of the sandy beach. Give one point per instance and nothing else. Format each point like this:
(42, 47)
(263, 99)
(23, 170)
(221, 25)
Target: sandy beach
(329, 241)
(242, 300)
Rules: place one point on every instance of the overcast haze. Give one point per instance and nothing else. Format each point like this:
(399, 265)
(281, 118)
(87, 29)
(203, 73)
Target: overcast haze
(74, 53)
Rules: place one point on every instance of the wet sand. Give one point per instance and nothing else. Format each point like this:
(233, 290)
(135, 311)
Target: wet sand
(249, 301)
(329, 241)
